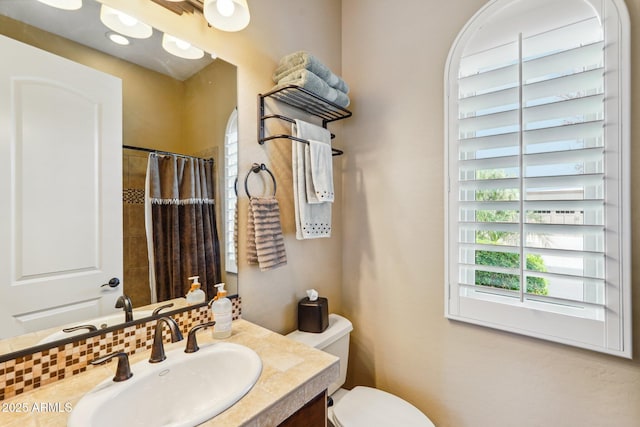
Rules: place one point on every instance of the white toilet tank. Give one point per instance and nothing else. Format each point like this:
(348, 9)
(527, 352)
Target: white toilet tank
(334, 340)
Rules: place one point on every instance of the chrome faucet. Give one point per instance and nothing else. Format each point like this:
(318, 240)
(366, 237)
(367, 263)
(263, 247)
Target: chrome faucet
(124, 302)
(157, 349)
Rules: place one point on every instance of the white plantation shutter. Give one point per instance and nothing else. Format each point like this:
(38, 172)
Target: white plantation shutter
(537, 152)
(230, 193)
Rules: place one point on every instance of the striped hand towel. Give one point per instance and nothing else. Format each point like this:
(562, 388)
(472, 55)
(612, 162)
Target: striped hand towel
(266, 242)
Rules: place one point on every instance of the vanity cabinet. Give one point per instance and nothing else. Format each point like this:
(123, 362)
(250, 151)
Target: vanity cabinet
(313, 414)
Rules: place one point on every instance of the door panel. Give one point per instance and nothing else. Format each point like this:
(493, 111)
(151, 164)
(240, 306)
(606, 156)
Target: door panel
(61, 190)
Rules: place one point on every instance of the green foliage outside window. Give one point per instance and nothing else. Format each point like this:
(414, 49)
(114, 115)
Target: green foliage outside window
(535, 285)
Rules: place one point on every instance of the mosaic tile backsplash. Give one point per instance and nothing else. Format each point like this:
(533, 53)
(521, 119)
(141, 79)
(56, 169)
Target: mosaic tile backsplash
(35, 370)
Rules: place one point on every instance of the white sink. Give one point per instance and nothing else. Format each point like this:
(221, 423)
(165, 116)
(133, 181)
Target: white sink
(99, 322)
(186, 389)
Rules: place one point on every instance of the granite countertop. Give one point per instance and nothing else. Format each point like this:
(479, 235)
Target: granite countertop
(292, 375)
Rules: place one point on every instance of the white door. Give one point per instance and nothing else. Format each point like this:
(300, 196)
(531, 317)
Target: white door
(60, 190)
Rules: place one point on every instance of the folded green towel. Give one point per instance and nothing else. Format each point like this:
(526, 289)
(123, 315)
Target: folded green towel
(313, 83)
(302, 60)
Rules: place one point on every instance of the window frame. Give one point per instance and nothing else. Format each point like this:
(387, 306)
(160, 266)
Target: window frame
(613, 335)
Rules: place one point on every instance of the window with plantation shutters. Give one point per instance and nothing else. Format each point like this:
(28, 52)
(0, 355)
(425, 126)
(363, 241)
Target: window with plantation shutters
(230, 193)
(537, 172)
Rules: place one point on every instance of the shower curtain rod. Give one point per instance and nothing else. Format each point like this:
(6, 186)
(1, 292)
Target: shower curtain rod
(151, 150)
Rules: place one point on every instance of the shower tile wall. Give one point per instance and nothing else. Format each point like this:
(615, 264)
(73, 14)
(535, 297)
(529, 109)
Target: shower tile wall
(136, 265)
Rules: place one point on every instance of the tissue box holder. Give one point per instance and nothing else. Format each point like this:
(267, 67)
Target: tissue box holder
(313, 316)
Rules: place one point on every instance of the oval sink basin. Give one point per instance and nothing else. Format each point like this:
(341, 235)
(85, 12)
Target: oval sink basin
(99, 322)
(186, 389)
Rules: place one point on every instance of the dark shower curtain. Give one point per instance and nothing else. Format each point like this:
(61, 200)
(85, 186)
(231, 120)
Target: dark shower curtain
(183, 224)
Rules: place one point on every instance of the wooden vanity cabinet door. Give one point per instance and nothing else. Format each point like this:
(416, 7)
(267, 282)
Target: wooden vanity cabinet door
(313, 414)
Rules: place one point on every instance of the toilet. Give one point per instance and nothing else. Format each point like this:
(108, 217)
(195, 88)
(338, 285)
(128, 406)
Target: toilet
(361, 406)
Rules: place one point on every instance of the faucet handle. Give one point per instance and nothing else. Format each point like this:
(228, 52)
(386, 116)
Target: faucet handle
(90, 328)
(160, 308)
(123, 371)
(192, 343)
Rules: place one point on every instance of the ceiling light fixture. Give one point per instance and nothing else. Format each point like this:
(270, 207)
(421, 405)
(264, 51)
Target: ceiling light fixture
(124, 24)
(181, 48)
(227, 15)
(63, 4)
(118, 38)
(225, 7)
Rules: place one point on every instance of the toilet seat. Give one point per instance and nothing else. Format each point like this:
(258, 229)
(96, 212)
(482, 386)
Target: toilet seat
(370, 407)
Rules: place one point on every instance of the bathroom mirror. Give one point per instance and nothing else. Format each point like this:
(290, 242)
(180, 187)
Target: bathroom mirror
(203, 94)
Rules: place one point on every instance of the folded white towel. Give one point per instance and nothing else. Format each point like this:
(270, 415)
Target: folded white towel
(313, 83)
(304, 60)
(313, 220)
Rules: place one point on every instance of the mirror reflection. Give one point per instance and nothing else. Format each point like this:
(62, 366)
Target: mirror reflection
(168, 105)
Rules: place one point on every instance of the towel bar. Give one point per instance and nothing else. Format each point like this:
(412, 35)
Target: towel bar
(334, 151)
(304, 100)
(286, 119)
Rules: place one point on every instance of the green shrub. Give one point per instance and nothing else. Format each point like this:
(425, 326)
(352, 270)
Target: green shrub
(535, 285)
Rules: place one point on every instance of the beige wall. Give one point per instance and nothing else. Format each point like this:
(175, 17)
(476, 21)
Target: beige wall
(459, 374)
(210, 97)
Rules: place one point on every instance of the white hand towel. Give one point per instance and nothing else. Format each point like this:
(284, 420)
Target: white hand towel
(312, 220)
(319, 173)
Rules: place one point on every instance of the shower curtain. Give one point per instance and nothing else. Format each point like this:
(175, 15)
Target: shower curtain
(181, 225)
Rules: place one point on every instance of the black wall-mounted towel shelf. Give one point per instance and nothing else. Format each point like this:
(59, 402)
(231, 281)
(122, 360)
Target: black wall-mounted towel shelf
(304, 100)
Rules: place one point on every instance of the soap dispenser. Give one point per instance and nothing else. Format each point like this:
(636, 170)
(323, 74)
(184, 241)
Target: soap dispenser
(221, 307)
(195, 294)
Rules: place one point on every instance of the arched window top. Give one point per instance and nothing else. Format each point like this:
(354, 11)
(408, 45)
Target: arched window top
(567, 23)
(502, 21)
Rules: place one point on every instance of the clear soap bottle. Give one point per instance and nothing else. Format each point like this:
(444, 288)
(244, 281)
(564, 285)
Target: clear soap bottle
(195, 294)
(221, 307)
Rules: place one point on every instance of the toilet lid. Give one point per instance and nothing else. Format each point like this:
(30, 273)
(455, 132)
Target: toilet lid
(370, 407)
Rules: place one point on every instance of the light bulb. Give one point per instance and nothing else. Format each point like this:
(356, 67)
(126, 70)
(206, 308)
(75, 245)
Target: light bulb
(225, 7)
(226, 15)
(118, 39)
